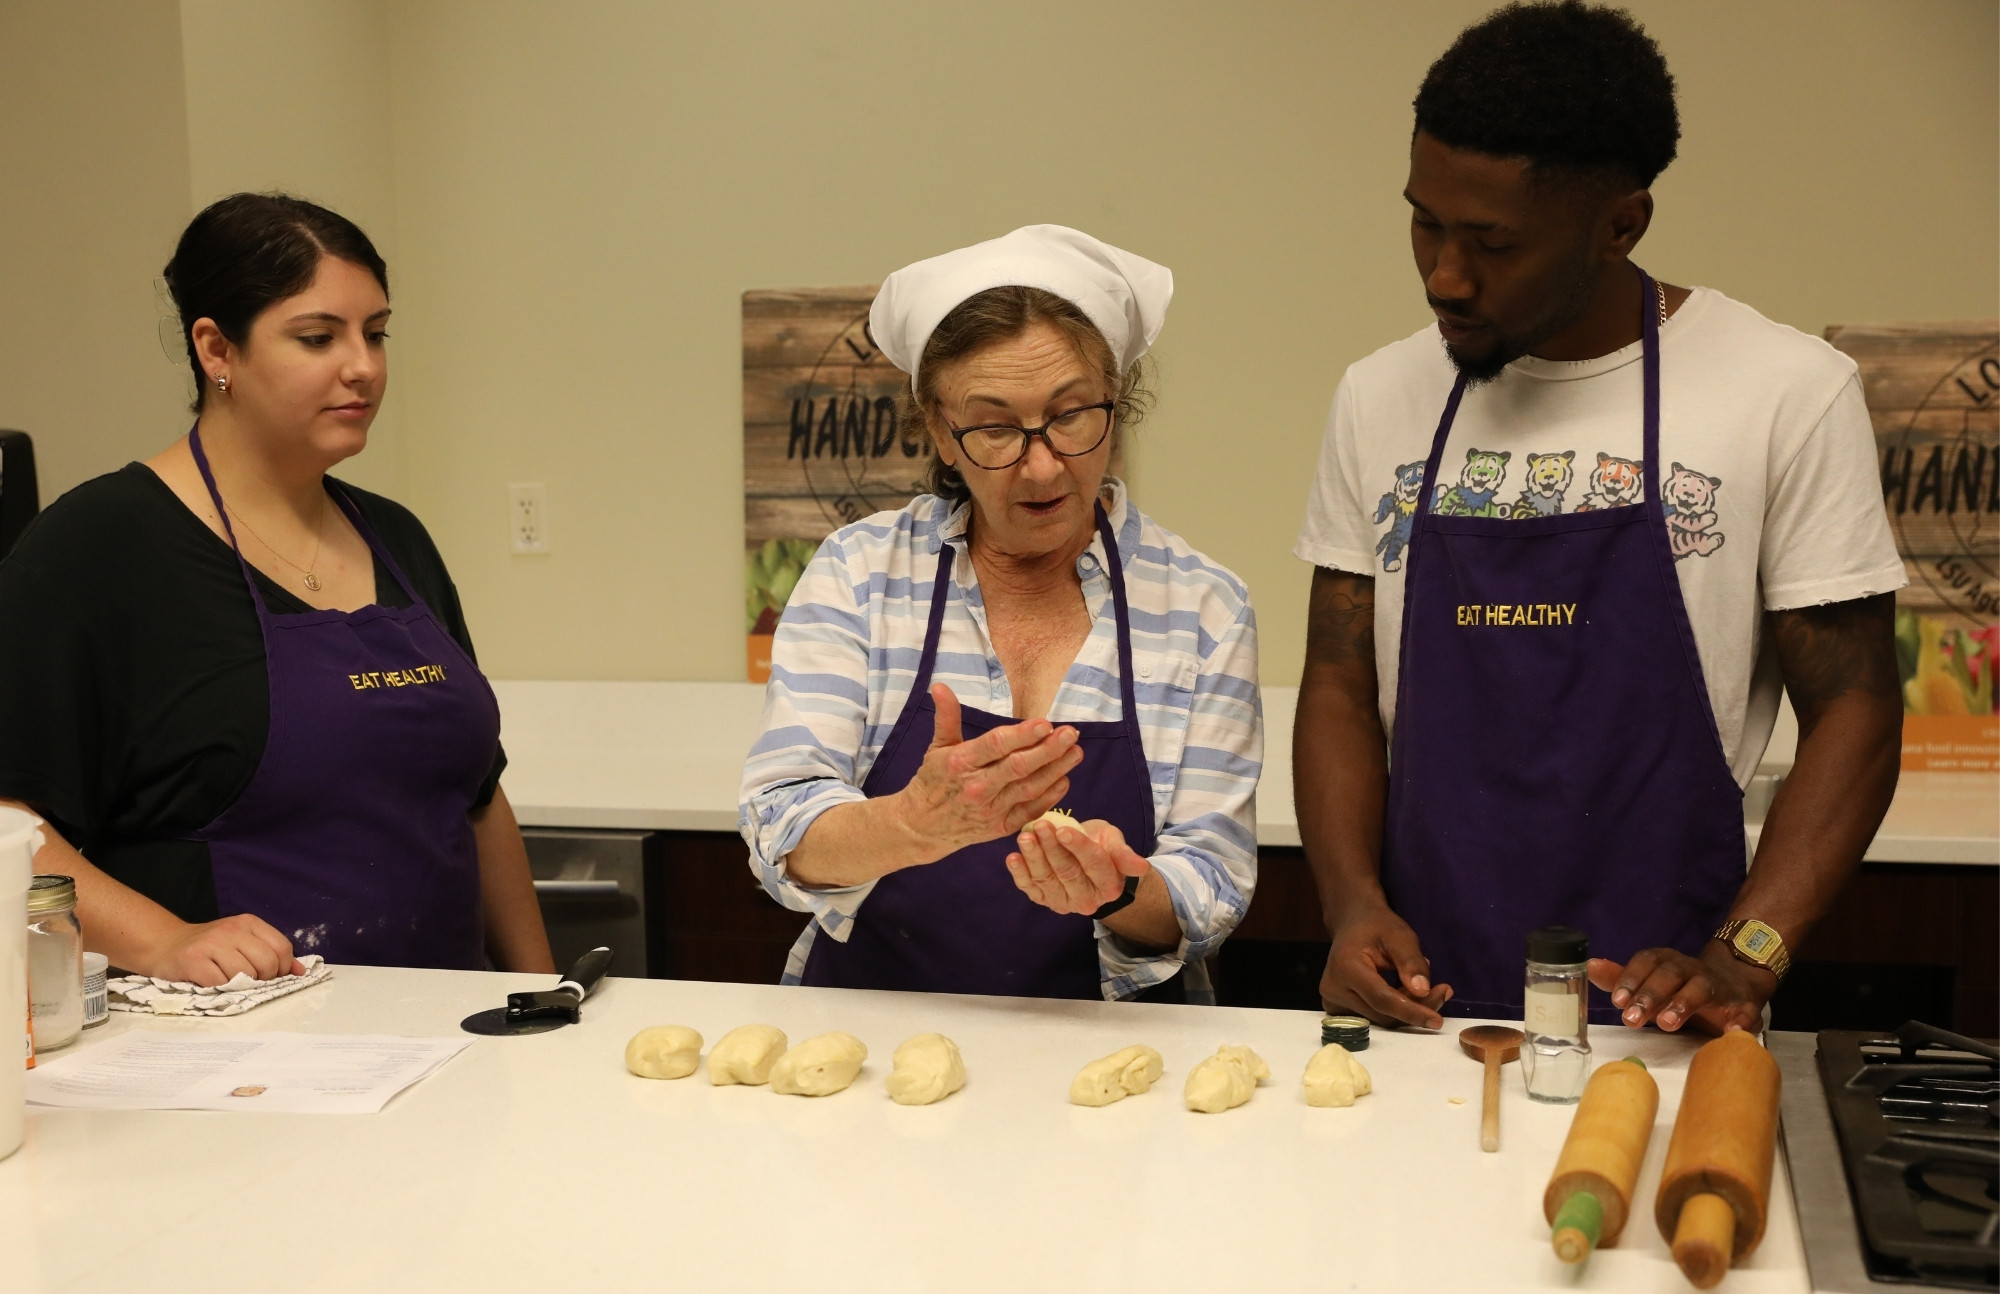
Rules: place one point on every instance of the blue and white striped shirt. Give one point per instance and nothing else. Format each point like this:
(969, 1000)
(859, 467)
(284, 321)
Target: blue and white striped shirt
(846, 654)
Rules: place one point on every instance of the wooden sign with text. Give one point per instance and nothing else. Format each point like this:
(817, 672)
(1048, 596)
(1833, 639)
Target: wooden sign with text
(822, 442)
(1934, 396)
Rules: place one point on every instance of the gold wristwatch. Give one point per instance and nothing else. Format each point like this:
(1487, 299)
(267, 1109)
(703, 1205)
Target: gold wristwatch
(1752, 941)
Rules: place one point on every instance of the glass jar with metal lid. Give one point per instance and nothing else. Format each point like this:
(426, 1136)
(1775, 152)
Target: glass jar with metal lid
(55, 963)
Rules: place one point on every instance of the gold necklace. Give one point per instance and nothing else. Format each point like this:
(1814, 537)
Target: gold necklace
(319, 533)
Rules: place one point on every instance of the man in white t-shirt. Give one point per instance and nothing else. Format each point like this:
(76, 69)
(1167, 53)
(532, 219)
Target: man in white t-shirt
(1571, 541)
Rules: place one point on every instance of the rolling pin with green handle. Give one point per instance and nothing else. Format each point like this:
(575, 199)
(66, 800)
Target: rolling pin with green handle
(1716, 1188)
(1590, 1194)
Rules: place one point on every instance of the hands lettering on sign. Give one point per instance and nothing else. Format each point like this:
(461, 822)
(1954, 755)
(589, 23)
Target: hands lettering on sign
(1934, 398)
(824, 444)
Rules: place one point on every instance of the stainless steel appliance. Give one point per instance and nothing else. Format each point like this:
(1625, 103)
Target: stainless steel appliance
(592, 890)
(1894, 1145)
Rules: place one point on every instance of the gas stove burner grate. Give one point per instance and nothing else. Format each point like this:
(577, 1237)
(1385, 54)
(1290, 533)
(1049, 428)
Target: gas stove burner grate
(1918, 1115)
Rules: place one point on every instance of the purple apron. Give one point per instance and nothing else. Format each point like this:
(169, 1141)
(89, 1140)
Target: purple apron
(961, 925)
(1555, 758)
(352, 837)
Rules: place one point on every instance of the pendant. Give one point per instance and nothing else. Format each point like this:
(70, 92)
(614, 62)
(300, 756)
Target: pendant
(312, 581)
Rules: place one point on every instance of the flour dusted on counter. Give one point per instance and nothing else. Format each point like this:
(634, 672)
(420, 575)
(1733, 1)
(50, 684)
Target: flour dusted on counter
(155, 996)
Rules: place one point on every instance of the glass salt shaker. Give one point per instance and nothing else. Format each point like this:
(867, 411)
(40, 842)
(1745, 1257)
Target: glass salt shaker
(55, 963)
(1555, 1056)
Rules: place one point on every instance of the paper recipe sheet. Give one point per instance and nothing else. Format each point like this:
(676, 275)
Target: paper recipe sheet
(292, 1073)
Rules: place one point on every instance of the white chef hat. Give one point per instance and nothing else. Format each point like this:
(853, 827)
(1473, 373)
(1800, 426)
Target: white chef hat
(1124, 295)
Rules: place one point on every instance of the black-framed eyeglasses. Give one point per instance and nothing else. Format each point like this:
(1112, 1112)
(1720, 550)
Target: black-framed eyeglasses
(1002, 444)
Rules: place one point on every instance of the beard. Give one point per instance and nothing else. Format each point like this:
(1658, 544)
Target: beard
(1561, 308)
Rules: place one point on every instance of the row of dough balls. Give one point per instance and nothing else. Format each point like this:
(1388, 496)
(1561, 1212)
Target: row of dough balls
(927, 1068)
(1222, 1081)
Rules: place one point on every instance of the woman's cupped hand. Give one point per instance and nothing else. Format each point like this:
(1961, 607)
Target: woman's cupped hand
(1074, 867)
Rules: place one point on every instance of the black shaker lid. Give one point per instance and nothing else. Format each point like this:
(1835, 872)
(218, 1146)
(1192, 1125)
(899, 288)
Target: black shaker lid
(1558, 945)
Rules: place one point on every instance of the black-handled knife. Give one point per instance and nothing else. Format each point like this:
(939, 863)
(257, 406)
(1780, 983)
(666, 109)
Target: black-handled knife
(540, 1010)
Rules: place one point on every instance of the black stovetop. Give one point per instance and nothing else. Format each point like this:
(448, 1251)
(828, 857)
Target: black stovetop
(1918, 1115)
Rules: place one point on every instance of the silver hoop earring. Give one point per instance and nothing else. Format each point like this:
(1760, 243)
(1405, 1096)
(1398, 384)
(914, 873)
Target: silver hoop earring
(222, 382)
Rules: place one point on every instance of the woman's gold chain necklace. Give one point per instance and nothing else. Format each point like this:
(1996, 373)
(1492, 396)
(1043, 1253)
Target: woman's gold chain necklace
(319, 534)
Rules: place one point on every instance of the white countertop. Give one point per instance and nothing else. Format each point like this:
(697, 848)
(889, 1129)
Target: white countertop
(537, 1164)
(668, 757)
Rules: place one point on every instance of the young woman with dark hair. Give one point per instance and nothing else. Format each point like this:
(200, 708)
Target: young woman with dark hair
(244, 697)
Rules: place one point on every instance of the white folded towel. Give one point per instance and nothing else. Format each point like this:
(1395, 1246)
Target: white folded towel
(174, 997)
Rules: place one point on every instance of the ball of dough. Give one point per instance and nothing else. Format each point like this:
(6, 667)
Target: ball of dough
(1225, 1080)
(927, 1068)
(1335, 1078)
(663, 1051)
(1115, 1077)
(1059, 818)
(819, 1066)
(745, 1055)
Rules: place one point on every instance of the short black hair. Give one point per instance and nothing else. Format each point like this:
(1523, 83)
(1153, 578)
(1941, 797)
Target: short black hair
(1574, 88)
(249, 251)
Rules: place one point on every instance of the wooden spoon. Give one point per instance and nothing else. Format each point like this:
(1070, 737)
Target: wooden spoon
(1494, 1044)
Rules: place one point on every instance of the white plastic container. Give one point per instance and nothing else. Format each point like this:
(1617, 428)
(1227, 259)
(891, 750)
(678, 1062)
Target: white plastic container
(19, 839)
(96, 1001)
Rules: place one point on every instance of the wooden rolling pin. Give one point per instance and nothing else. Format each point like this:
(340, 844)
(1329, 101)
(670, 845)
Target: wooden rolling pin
(1717, 1183)
(1590, 1194)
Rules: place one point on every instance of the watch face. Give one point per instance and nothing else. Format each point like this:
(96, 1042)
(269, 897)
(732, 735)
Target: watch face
(1757, 940)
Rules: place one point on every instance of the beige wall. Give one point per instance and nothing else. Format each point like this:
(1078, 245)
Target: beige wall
(584, 190)
(295, 96)
(575, 195)
(93, 192)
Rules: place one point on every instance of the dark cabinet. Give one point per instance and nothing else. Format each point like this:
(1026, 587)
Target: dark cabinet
(1904, 941)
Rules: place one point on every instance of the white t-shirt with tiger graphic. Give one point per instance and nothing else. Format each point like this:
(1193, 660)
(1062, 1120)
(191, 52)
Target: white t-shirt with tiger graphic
(1770, 483)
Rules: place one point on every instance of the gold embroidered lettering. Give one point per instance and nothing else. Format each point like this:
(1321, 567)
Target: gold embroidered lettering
(415, 676)
(1535, 615)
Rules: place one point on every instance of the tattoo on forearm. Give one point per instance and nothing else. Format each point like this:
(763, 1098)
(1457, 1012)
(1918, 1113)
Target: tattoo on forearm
(1841, 647)
(1340, 623)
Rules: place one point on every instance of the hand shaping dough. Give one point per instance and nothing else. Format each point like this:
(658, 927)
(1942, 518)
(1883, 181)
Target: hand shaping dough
(1225, 1080)
(1334, 1077)
(1117, 1076)
(928, 1068)
(663, 1051)
(746, 1055)
(819, 1066)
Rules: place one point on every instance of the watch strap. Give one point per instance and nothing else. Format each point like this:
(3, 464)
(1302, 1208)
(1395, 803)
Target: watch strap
(1120, 903)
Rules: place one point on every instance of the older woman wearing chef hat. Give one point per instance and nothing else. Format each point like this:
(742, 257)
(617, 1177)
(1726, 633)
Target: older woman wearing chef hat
(1018, 640)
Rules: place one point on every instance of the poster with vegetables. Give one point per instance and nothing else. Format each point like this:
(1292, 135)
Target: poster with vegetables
(822, 443)
(1934, 394)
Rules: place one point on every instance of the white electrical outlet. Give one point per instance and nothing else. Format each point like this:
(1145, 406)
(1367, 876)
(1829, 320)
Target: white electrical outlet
(528, 517)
